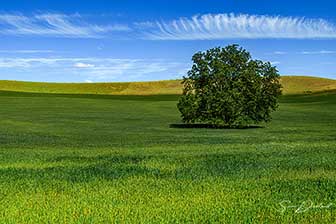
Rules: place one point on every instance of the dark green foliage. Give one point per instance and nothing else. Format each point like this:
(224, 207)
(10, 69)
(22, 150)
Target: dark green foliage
(226, 87)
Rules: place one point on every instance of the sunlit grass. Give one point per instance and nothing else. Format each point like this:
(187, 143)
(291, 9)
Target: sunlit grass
(306, 84)
(291, 84)
(103, 159)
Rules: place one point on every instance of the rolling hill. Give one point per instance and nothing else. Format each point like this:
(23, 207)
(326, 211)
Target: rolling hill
(291, 85)
(80, 158)
(90, 158)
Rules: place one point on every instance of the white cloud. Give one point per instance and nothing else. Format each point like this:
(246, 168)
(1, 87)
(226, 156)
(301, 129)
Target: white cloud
(228, 26)
(26, 51)
(275, 62)
(96, 69)
(55, 25)
(318, 52)
(198, 27)
(279, 52)
(83, 65)
(32, 62)
(327, 63)
(146, 24)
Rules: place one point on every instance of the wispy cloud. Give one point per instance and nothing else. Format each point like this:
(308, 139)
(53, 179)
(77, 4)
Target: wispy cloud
(26, 51)
(83, 65)
(302, 52)
(198, 27)
(96, 69)
(318, 52)
(227, 26)
(327, 63)
(275, 62)
(279, 52)
(54, 25)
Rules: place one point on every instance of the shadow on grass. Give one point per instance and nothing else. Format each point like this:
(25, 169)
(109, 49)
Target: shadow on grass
(212, 126)
(194, 166)
(81, 169)
(157, 97)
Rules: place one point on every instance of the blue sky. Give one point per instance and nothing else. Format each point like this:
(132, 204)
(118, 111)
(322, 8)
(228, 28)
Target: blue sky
(100, 41)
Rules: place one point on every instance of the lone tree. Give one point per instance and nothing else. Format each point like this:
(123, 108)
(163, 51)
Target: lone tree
(226, 87)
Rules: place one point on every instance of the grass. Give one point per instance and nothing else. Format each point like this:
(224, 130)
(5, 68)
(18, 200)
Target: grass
(122, 88)
(292, 85)
(305, 84)
(102, 159)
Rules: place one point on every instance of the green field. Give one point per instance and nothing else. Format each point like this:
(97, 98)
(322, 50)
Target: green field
(103, 158)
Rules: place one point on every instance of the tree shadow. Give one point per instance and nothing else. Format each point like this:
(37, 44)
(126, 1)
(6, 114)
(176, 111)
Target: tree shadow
(213, 126)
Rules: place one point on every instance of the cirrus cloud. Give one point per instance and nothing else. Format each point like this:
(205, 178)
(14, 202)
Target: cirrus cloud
(55, 25)
(230, 26)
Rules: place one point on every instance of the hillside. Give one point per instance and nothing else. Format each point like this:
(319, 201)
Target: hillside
(306, 84)
(291, 84)
(117, 159)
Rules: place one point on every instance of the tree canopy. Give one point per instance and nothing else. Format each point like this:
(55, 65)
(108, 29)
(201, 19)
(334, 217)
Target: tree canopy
(226, 87)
